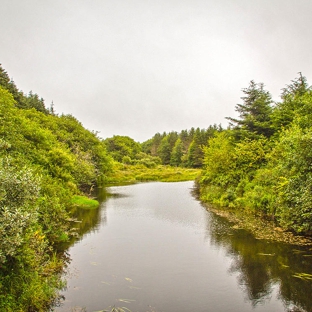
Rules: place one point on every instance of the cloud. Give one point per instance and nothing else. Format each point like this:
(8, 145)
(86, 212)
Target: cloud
(140, 67)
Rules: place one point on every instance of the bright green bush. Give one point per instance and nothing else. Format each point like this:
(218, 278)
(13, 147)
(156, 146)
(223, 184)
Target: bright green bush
(293, 158)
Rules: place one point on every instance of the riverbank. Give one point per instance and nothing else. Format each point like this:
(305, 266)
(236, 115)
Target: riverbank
(257, 225)
(123, 173)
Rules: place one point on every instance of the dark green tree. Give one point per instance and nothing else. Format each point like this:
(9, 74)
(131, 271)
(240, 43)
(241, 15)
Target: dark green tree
(164, 150)
(151, 145)
(33, 101)
(254, 114)
(298, 87)
(22, 101)
(295, 101)
(186, 140)
(195, 151)
(177, 153)
(172, 137)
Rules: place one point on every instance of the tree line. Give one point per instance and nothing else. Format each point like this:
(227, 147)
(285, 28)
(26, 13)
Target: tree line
(262, 162)
(184, 149)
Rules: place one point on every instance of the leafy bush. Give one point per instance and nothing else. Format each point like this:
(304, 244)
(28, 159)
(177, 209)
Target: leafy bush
(18, 209)
(294, 154)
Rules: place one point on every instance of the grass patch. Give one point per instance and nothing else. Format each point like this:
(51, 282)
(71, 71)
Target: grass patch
(123, 173)
(84, 202)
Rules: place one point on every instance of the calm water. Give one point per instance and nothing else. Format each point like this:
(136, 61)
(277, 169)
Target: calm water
(154, 247)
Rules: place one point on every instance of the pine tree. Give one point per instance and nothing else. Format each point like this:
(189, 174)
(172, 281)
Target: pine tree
(164, 150)
(195, 152)
(295, 101)
(298, 87)
(177, 153)
(254, 114)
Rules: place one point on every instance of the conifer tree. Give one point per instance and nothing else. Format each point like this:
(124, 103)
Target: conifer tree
(164, 150)
(177, 153)
(295, 101)
(254, 114)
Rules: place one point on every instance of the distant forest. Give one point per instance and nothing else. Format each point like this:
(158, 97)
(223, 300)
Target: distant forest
(184, 149)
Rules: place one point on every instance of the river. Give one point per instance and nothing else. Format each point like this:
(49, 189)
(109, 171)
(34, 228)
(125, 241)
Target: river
(154, 247)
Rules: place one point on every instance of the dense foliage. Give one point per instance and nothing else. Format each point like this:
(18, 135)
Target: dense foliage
(184, 149)
(45, 160)
(262, 163)
(134, 163)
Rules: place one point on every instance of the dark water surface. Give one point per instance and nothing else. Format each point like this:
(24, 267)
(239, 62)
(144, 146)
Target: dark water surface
(154, 247)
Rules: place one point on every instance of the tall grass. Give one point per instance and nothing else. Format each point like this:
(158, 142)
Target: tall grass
(84, 202)
(139, 173)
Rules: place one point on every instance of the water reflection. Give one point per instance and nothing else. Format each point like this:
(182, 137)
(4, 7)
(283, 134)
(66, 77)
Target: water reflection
(85, 221)
(90, 220)
(156, 245)
(264, 266)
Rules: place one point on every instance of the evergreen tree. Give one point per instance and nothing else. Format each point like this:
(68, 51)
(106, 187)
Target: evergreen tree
(33, 101)
(186, 138)
(164, 151)
(22, 101)
(177, 153)
(195, 151)
(9, 85)
(254, 114)
(295, 101)
(172, 138)
(155, 143)
(298, 87)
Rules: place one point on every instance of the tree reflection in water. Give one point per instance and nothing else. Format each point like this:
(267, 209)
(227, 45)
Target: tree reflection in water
(264, 266)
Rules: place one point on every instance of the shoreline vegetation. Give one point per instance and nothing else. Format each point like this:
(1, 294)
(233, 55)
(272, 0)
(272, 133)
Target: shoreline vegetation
(124, 173)
(261, 165)
(84, 202)
(259, 227)
(49, 163)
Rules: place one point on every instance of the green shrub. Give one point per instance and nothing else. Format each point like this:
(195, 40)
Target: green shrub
(84, 202)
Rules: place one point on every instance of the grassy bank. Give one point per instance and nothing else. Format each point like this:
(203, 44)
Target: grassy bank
(84, 202)
(123, 173)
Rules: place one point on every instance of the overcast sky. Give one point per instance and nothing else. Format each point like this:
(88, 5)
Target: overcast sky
(137, 67)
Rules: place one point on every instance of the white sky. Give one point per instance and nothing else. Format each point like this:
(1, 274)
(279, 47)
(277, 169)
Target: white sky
(137, 67)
